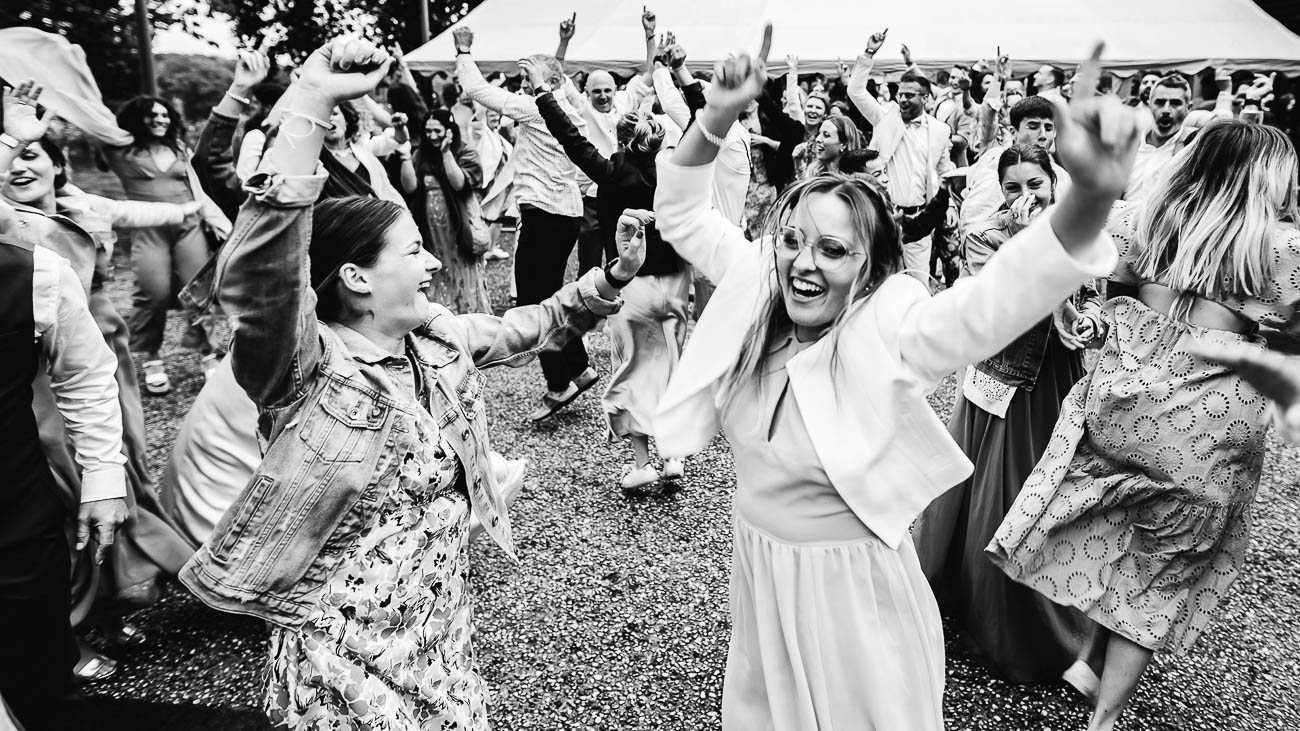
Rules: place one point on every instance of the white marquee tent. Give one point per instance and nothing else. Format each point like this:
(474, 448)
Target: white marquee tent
(1187, 35)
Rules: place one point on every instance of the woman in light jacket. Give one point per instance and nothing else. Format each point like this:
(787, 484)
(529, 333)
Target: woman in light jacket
(815, 361)
(352, 537)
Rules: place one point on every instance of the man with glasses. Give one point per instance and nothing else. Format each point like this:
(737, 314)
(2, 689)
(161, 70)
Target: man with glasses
(914, 147)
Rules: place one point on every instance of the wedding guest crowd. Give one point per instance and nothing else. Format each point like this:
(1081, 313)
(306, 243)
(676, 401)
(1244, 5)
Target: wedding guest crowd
(1103, 263)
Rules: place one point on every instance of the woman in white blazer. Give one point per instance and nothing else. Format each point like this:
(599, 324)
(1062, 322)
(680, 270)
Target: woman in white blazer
(815, 361)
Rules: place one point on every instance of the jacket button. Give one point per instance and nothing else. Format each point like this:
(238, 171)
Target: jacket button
(376, 411)
(355, 412)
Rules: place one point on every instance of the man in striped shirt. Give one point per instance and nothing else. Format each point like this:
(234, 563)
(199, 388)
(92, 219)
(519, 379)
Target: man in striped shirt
(550, 211)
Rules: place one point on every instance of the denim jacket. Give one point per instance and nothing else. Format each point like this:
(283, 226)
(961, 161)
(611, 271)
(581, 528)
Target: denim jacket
(1018, 363)
(335, 426)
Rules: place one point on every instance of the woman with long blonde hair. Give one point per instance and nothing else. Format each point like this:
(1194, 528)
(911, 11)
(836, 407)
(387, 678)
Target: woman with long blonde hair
(814, 359)
(1139, 512)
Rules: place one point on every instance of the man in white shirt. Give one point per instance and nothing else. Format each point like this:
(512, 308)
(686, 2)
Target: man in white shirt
(45, 324)
(1048, 81)
(955, 108)
(1169, 102)
(915, 148)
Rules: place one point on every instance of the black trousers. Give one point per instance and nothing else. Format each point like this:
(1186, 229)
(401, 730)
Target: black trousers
(541, 255)
(591, 253)
(37, 648)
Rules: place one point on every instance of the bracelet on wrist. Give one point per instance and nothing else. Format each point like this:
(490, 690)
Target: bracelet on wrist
(613, 280)
(11, 142)
(241, 99)
(461, 51)
(713, 139)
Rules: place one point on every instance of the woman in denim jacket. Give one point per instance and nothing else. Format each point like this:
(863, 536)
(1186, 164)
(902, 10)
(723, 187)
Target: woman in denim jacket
(352, 536)
(1003, 421)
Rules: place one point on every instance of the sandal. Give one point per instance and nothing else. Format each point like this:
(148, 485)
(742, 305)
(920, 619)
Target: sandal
(94, 667)
(120, 633)
(156, 382)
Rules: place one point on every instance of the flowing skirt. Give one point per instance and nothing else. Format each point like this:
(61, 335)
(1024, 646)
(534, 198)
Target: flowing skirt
(645, 342)
(831, 637)
(1139, 512)
(1021, 634)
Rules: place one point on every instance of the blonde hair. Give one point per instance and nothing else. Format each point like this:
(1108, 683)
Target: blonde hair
(554, 69)
(1209, 225)
(639, 132)
(873, 216)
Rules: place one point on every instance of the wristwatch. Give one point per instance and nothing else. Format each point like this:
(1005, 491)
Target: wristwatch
(460, 50)
(614, 281)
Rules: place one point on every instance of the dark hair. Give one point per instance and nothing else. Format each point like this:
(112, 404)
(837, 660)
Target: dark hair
(131, 118)
(854, 162)
(1174, 81)
(915, 78)
(351, 120)
(267, 94)
(55, 153)
(430, 155)
(351, 230)
(443, 75)
(1032, 154)
(1031, 107)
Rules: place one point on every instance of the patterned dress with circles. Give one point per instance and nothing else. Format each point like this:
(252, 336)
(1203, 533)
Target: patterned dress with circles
(1138, 514)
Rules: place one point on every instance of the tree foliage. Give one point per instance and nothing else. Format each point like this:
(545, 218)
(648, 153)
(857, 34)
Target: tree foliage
(305, 25)
(197, 81)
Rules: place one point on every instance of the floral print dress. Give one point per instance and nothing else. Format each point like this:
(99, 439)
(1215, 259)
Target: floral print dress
(388, 645)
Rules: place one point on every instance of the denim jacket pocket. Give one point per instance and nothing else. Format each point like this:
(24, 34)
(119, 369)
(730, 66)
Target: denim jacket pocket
(341, 427)
(470, 392)
(246, 508)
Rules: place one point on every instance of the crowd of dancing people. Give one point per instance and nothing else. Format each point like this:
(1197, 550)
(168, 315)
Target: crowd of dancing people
(1110, 267)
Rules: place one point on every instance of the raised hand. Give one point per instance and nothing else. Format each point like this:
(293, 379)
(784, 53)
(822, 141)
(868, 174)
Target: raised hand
(568, 27)
(250, 69)
(345, 68)
(675, 56)
(876, 41)
(463, 37)
(536, 76)
(907, 54)
(21, 120)
(629, 238)
(1096, 136)
(648, 22)
(740, 79)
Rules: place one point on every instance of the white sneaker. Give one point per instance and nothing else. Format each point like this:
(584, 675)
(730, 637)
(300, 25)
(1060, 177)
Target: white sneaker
(674, 469)
(156, 382)
(1084, 680)
(636, 481)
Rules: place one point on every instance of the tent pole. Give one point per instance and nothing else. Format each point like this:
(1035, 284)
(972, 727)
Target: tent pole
(148, 78)
(423, 12)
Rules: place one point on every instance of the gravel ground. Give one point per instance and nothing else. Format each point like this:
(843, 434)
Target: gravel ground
(616, 615)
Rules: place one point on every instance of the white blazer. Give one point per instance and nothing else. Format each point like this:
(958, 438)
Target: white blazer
(887, 128)
(883, 447)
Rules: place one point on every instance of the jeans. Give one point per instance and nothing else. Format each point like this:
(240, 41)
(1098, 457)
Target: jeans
(545, 242)
(165, 259)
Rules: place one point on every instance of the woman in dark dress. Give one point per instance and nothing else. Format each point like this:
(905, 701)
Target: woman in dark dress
(1003, 421)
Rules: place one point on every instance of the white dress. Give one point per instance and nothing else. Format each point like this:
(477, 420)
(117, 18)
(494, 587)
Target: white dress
(831, 628)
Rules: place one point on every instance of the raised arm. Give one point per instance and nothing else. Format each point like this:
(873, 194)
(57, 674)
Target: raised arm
(264, 272)
(792, 100)
(568, 27)
(1097, 138)
(522, 332)
(516, 106)
(684, 212)
(671, 99)
(870, 106)
(576, 145)
(21, 122)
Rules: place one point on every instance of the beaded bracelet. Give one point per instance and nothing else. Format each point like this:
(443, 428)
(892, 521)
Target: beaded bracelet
(241, 99)
(716, 140)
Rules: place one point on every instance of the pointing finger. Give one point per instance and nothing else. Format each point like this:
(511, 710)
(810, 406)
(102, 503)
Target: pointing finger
(766, 48)
(1089, 73)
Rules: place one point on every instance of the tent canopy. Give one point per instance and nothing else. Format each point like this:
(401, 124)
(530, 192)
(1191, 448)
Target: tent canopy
(1183, 35)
